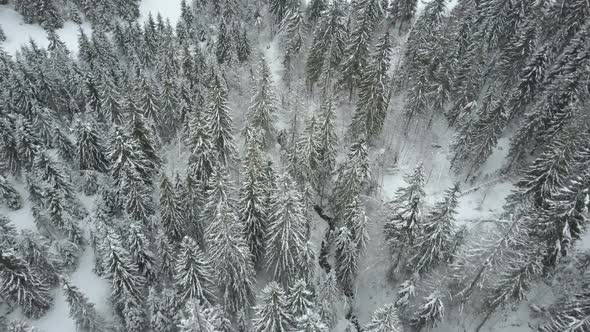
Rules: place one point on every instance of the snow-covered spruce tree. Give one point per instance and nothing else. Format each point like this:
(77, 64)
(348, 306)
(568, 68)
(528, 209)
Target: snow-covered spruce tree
(327, 48)
(285, 235)
(21, 286)
(194, 277)
(110, 102)
(44, 12)
(429, 313)
(353, 174)
(90, 148)
(385, 319)
(140, 250)
(522, 267)
(223, 45)
(272, 314)
(315, 10)
(202, 155)
(2, 35)
(281, 8)
(126, 158)
(20, 326)
(263, 109)
(405, 214)
(308, 263)
(294, 29)
(126, 283)
(9, 195)
(197, 318)
(401, 13)
(253, 212)
(346, 259)
(144, 137)
(482, 134)
(134, 318)
(231, 257)
(356, 54)
(9, 150)
(572, 314)
(543, 179)
(326, 146)
(137, 198)
(406, 291)
(82, 311)
(435, 242)
(148, 102)
(192, 200)
(64, 146)
(162, 310)
(328, 296)
(218, 195)
(373, 98)
(243, 48)
(28, 143)
(299, 299)
(171, 207)
(311, 321)
(166, 256)
(303, 159)
(35, 250)
(61, 216)
(218, 118)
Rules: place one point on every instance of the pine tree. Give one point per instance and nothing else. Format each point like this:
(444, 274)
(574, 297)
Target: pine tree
(263, 109)
(36, 252)
(430, 312)
(285, 237)
(148, 100)
(407, 290)
(28, 143)
(352, 177)
(571, 314)
(328, 45)
(328, 296)
(126, 158)
(110, 102)
(280, 8)
(356, 53)
(243, 48)
(294, 30)
(434, 243)
(134, 319)
(326, 146)
(194, 276)
(402, 12)
(166, 256)
(162, 310)
(137, 198)
(372, 103)
(44, 12)
(202, 155)
(405, 215)
(219, 121)
(223, 50)
(2, 35)
(20, 286)
(308, 263)
(356, 221)
(299, 299)
(385, 319)
(272, 315)
(20, 326)
(140, 250)
(64, 145)
(311, 322)
(304, 157)
(230, 255)
(193, 201)
(171, 211)
(144, 138)
(127, 285)
(82, 310)
(316, 9)
(9, 150)
(253, 211)
(346, 259)
(198, 319)
(90, 148)
(9, 195)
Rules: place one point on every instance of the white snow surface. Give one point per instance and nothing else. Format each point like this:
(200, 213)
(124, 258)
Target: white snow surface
(18, 32)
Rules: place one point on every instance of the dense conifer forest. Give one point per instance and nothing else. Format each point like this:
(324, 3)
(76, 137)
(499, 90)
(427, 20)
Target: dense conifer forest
(296, 166)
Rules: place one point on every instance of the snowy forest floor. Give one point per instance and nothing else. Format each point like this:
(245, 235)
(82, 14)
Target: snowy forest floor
(395, 154)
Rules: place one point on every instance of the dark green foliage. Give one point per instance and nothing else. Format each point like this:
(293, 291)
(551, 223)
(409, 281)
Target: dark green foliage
(9, 195)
